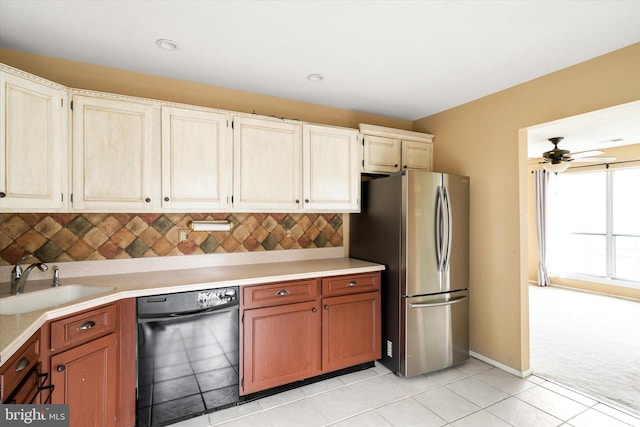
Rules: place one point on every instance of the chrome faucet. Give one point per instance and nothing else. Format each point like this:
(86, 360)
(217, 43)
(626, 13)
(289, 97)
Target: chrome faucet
(56, 276)
(19, 276)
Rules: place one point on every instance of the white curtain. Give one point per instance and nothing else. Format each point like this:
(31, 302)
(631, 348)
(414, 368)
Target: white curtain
(541, 189)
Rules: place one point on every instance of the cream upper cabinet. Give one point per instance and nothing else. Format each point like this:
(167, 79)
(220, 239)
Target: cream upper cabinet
(33, 144)
(331, 169)
(267, 158)
(196, 160)
(113, 155)
(417, 155)
(380, 154)
(388, 150)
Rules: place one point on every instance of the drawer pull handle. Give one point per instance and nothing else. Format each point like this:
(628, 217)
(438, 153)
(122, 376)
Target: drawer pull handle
(22, 364)
(87, 325)
(282, 292)
(352, 284)
(60, 368)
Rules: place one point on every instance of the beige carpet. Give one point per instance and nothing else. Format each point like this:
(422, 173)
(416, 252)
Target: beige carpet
(588, 342)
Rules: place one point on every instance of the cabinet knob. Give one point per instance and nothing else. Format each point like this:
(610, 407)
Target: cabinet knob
(297, 201)
(166, 199)
(395, 165)
(352, 284)
(313, 310)
(2, 194)
(405, 166)
(148, 200)
(306, 200)
(282, 292)
(326, 307)
(60, 368)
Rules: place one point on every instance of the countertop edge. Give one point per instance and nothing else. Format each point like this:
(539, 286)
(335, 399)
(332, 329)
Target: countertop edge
(16, 335)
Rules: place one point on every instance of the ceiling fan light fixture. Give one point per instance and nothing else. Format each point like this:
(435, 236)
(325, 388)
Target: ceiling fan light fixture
(555, 167)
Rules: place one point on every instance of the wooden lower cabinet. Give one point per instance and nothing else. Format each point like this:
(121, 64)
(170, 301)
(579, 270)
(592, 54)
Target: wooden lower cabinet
(19, 377)
(91, 360)
(289, 340)
(281, 345)
(85, 378)
(350, 330)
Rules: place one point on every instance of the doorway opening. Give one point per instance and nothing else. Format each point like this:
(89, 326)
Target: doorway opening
(585, 333)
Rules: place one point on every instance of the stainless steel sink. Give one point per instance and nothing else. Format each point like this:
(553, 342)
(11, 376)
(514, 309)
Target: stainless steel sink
(50, 297)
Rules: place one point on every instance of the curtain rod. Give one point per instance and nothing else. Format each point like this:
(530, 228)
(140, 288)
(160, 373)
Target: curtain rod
(606, 164)
(602, 164)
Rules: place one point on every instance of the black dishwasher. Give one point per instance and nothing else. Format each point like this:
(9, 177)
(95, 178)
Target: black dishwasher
(187, 355)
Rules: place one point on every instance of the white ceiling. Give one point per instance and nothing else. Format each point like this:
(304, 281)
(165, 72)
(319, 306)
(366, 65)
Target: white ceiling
(597, 130)
(403, 59)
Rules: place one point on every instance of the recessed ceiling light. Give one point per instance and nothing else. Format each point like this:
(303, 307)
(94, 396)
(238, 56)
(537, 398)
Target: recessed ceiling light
(316, 78)
(609, 141)
(166, 44)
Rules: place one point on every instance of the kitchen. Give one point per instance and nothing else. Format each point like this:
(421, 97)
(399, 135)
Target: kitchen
(499, 330)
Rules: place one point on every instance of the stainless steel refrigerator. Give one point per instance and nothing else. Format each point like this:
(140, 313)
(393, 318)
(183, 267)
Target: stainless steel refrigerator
(417, 224)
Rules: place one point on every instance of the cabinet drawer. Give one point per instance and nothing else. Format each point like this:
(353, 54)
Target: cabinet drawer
(20, 364)
(279, 293)
(349, 284)
(83, 327)
(26, 391)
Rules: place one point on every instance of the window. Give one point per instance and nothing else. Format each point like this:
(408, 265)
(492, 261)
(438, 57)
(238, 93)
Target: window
(596, 229)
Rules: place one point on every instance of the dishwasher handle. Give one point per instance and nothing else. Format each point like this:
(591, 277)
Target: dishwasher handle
(158, 317)
(437, 304)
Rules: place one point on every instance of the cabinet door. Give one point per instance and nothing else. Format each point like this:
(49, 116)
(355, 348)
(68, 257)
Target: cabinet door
(196, 160)
(33, 145)
(267, 158)
(381, 155)
(85, 378)
(416, 155)
(331, 169)
(112, 155)
(281, 345)
(350, 330)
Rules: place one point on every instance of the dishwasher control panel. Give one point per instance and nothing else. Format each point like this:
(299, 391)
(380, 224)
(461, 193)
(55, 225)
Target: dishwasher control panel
(215, 297)
(186, 303)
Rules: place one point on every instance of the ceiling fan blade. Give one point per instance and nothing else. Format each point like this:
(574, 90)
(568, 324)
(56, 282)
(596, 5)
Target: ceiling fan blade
(587, 153)
(594, 159)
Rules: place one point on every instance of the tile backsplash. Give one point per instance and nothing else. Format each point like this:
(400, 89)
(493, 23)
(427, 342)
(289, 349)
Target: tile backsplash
(94, 236)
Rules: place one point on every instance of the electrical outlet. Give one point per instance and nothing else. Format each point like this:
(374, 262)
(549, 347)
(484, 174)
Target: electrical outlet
(182, 235)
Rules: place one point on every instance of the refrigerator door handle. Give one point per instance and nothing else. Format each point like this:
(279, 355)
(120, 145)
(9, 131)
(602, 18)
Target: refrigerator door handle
(437, 304)
(438, 229)
(449, 230)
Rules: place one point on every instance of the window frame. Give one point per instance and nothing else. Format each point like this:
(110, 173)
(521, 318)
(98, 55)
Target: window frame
(609, 235)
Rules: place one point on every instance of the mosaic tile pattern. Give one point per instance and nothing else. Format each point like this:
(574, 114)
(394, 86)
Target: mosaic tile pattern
(92, 236)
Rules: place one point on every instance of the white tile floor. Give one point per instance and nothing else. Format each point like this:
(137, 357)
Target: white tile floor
(473, 394)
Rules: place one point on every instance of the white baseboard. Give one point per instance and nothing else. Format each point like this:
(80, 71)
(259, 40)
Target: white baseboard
(521, 374)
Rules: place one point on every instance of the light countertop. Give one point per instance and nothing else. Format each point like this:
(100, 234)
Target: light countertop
(16, 329)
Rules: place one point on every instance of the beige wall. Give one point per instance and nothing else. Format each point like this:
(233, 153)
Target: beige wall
(482, 139)
(104, 79)
(624, 153)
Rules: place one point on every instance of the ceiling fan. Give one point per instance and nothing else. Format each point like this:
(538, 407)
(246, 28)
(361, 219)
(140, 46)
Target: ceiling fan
(557, 160)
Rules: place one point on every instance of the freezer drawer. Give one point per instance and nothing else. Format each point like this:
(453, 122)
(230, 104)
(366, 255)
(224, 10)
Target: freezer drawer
(436, 331)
